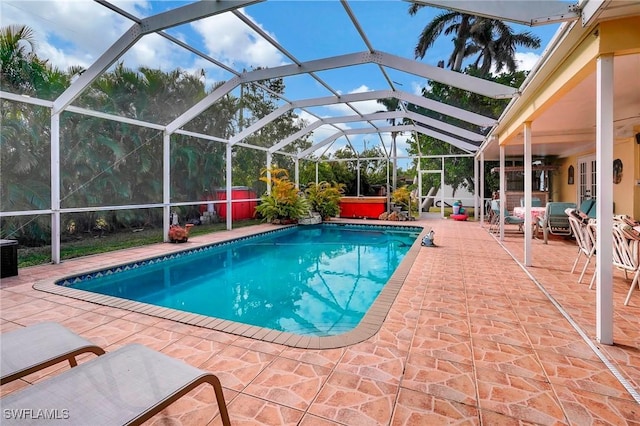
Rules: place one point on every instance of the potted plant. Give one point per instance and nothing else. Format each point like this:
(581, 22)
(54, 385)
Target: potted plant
(401, 197)
(324, 198)
(178, 234)
(284, 204)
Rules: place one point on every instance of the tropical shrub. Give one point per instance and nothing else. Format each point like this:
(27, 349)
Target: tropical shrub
(324, 198)
(285, 202)
(402, 197)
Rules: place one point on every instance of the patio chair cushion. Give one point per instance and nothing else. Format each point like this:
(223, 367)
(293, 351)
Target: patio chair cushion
(579, 215)
(535, 202)
(29, 349)
(588, 207)
(127, 386)
(555, 221)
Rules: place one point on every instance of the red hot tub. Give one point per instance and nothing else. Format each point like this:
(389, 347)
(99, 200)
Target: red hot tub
(363, 207)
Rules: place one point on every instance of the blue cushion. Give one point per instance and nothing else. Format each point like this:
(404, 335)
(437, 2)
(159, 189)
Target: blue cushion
(586, 205)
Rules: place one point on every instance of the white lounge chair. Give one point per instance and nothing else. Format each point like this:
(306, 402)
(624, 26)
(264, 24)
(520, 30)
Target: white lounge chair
(626, 253)
(585, 234)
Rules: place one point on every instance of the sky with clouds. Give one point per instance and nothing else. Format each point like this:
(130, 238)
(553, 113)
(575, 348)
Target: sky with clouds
(76, 32)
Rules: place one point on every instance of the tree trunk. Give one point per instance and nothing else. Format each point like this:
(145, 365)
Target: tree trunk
(428, 202)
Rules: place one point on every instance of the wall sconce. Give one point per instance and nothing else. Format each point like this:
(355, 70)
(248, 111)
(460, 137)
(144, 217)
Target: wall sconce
(570, 179)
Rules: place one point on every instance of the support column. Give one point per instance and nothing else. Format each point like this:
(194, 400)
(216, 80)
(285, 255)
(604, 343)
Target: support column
(604, 197)
(358, 178)
(268, 168)
(317, 173)
(442, 187)
(481, 189)
(503, 196)
(55, 187)
(228, 182)
(527, 193)
(420, 194)
(166, 185)
(394, 151)
(476, 173)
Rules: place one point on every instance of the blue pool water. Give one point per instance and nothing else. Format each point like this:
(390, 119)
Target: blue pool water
(312, 280)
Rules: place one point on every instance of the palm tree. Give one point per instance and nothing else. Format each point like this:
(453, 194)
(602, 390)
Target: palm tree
(17, 45)
(493, 40)
(447, 23)
(495, 43)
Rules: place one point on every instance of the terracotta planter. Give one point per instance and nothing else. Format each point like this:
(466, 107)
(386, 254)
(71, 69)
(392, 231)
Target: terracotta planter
(178, 234)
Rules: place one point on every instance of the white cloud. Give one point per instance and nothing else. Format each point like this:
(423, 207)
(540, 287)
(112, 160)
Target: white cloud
(63, 33)
(526, 61)
(364, 107)
(228, 39)
(66, 37)
(308, 118)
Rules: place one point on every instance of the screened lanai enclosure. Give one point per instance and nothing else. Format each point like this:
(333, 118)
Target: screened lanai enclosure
(186, 107)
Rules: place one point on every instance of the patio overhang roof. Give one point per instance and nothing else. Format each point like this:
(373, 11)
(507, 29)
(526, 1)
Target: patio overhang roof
(530, 13)
(559, 98)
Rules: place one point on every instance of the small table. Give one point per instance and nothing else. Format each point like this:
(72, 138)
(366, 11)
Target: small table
(536, 213)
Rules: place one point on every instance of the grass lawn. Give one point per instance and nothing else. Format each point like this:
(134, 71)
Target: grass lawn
(87, 244)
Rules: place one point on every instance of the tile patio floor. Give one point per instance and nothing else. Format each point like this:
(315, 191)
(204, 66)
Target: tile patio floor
(470, 339)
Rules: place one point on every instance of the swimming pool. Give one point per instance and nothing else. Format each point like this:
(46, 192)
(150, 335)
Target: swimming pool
(317, 281)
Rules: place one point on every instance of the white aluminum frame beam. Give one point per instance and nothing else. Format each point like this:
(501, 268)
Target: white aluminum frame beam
(461, 81)
(411, 128)
(406, 128)
(178, 16)
(381, 116)
(591, 9)
(531, 13)
(420, 101)
(451, 78)
(451, 111)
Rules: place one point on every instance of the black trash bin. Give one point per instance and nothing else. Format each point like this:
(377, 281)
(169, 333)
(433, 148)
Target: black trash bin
(9, 258)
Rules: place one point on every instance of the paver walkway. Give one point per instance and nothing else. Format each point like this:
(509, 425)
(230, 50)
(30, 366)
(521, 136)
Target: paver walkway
(470, 339)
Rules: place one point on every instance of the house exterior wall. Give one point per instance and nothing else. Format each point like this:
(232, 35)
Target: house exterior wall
(626, 194)
(561, 190)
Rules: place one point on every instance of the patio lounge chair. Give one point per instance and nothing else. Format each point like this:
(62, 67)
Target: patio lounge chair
(125, 387)
(555, 221)
(626, 253)
(588, 207)
(29, 349)
(508, 219)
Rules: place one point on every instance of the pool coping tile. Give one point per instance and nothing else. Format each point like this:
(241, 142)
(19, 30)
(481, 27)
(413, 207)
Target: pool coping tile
(368, 326)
